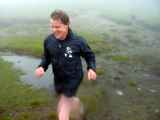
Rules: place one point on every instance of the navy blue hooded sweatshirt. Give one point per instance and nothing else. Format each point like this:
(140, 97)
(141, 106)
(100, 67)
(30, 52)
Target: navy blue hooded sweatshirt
(65, 57)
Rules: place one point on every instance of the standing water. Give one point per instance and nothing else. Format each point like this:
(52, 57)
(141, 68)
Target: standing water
(28, 65)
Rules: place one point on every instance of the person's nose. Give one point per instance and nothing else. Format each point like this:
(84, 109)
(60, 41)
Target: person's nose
(54, 30)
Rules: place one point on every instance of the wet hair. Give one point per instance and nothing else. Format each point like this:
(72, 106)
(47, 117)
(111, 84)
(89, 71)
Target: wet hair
(60, 15)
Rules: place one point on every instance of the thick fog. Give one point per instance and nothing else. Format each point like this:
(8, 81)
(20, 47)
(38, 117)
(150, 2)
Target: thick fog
(41, 8)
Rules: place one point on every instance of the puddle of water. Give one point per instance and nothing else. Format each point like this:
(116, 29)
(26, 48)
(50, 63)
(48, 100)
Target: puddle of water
(28, 65)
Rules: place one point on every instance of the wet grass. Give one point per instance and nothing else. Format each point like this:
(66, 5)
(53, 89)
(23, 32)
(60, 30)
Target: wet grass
(120, 58)
(34, 45)
(23, 45)
(132, 83)
(97, 42)
(52, 116)
(20, 102)
(115, 71)
(16, 97)
(100, 71)
(91, 101)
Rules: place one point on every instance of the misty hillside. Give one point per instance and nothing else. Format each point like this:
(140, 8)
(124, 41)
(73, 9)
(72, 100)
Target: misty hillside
(125, 37)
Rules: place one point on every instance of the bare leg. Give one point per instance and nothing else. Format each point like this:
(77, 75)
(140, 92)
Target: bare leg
(67, 105)
(76, 110)
(63, 108)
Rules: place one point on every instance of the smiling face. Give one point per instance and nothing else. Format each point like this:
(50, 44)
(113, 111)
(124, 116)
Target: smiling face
(59, 29)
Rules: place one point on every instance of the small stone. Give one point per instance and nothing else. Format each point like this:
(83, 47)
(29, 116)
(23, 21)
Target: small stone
(152, 90)
(120, 93)
(156, 110)
(139, 89)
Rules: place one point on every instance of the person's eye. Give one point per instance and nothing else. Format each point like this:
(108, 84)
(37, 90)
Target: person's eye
(56, 27)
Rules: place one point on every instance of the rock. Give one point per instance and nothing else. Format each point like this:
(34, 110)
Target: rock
(156, 110)
(152, 90)
(139, 89)
(120, 93)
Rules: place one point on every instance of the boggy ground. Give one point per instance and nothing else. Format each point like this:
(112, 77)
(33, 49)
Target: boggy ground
(128, 83)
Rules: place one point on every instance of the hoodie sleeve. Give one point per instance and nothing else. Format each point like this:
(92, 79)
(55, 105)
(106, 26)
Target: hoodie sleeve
(88, 55)
(45, 61)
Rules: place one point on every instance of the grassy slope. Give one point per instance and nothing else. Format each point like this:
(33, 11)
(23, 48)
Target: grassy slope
(22, 45)
(34, 45)
(97, 95)
(19, 101)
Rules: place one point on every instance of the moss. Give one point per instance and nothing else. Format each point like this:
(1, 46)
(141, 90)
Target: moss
(90, 103)
(24, 116)
(16, 96)
(23, 45)
(99, 93)
(132, 83)
(97, 43)
(2, 110)
(120, 58)
(35, 103)
(6, 116)
(34, 45)
(100, 71)
(134, 38)
(52, 116)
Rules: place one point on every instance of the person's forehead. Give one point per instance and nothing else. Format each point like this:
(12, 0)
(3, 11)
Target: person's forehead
(55, 21)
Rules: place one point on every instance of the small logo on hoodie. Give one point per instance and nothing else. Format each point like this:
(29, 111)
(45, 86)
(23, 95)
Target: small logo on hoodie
(68, 52)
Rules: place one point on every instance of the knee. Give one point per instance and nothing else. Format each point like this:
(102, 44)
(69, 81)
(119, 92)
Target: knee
(76, 102)
(76, 99)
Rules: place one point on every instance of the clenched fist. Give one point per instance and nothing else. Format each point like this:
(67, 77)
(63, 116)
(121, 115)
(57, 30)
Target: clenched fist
(91, 74)
(39, 72)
